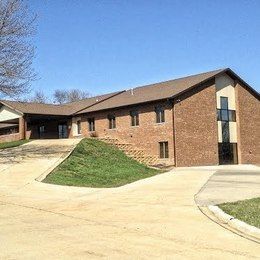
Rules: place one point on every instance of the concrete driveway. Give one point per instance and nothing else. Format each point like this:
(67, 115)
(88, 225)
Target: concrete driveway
(152, 218)
(229, 184)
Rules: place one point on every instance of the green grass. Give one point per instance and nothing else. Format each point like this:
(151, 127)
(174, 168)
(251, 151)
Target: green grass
(13, 144)
(96, 164)
(246, 210)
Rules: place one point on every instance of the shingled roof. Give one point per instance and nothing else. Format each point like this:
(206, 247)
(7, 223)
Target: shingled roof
(158, 91)
(52, 109)
(153, 92)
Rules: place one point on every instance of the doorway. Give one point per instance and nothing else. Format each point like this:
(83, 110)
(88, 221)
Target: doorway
(227, 153)
(63, 131)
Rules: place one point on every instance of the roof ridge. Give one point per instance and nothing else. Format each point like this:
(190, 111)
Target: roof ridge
(181, 78)
(25, 102)
(110, 93)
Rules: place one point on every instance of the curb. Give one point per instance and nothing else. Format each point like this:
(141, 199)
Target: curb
(58, 162)
(234, 223)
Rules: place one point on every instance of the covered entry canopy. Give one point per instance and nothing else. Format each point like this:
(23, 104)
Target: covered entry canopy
(47, 126)
(20, 120)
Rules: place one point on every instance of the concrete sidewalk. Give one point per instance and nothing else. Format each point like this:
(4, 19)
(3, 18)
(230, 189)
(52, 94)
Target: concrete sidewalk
(229, 184)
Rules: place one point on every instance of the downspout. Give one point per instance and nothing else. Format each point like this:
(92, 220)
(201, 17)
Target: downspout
(174, 133)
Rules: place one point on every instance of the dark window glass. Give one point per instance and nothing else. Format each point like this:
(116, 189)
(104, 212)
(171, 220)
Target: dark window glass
(223, 102)
(224, 115)
(219, 114)
(111, 122)
(164, 150)
(91, 124)
(79, 127)
(134, 118)
(42, 129)
(227, 153)
(225, 132)
(232, 115)
(160, 115)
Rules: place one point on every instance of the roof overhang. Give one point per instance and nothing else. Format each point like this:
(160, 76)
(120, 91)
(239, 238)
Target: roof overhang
(230, 73)
(17, 111)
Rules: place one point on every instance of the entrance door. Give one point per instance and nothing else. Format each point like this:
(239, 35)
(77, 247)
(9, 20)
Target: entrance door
(227, 153)
(41, 131)
(63, 130)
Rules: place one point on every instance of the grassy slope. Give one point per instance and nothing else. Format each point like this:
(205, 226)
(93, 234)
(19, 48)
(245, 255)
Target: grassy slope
(96, 164)
(13, 144)
(246, 210)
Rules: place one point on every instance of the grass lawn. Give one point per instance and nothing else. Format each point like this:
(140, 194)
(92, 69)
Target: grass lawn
(13, 144)
(96, 164)
(246, 210)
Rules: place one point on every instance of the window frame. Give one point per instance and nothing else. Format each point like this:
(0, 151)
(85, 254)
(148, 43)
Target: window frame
(231, 115)
(224, 113)
(225, 131)
(42, 129)
(159, 114)
(79, 129)
(164, 150)
(91, 124)
(111, 121)
(134, 114)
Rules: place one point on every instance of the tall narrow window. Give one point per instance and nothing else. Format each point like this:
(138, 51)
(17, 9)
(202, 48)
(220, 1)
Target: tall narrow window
(111, 121)
(160, 115)
(91, 124)
(225, 132)
(134, 118)
(41, 131)
(164, 150)
(224, 103)
(78, 127)
(225, 114)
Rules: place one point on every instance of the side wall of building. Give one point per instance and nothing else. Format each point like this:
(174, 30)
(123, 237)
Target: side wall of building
(195, 127)
(248, 118)
(145, 136)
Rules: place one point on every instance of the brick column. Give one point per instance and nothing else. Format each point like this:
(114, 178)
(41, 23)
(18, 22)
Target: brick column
(22, 127)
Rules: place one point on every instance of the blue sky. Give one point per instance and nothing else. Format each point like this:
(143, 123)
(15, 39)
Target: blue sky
(103, 46)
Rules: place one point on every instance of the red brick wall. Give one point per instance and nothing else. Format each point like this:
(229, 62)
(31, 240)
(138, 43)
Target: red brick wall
(10, 138)
(196, 127)
(146, 136)
(248, 121)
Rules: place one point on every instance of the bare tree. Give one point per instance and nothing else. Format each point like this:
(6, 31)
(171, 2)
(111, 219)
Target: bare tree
(39, 97)
(16, 51)
(67, 96)
(60, 96)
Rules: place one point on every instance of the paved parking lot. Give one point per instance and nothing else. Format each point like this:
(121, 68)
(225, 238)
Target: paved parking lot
(152, 218)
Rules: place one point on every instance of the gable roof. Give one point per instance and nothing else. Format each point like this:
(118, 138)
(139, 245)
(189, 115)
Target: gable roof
(52, 109)
(153, 92)
(148, 93)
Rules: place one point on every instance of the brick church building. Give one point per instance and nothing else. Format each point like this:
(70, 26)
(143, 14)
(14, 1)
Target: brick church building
(206, 119)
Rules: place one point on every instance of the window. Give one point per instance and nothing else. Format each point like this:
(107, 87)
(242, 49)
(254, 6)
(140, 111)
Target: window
(225, 132)
(232, 115)
(164, 150)
(224, 114)
(111, 121)
(42, 129)
(160, 116)
(78, 127)
(227, 153)
(134, 118)
(224, 103)
(91, 124)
